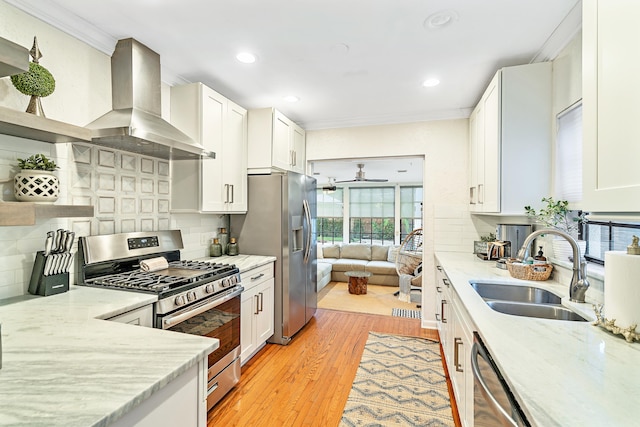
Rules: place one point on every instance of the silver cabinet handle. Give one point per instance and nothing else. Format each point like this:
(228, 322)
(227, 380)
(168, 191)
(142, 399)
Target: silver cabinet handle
(446, 282)
(226, 189)
(233, 196)
(456, 354)
(257, 277)
(437, 317)
(480, 194)
(257, 304)
(442, 304)
(439, 267)
(472, 198)
(506, 420)
(439, 289)
(261, 301)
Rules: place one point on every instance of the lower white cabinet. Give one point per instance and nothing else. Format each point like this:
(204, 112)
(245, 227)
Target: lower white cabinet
(142, 316)
(456, 336)
(256, 311)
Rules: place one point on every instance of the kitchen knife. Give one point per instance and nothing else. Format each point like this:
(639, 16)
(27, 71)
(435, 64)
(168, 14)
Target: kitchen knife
(58, 238)
(48, 245)
(46, 271)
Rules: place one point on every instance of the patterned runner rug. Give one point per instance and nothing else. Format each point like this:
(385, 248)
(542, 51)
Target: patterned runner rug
(403, 312)
(400, 382)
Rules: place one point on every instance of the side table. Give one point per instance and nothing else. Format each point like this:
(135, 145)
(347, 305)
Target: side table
(358, 281)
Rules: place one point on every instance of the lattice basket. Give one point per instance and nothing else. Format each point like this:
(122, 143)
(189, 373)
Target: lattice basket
(36, 186)
(529, 271)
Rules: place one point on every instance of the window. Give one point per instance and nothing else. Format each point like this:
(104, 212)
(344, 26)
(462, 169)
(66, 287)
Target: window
(330, 216)
(602, 236)
(568, 171)
(410, 210)
(371, 215)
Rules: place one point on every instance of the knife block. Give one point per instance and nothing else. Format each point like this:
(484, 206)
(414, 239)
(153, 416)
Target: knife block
(46, 285)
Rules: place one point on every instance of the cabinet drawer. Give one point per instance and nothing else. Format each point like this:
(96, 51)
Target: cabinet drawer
(255, 276)
(142, 316)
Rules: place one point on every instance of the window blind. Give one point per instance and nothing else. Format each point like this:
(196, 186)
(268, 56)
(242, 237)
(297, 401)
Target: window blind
(568, 170)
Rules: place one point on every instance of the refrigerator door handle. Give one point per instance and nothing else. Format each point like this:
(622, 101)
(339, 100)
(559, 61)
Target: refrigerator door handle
(307, 214)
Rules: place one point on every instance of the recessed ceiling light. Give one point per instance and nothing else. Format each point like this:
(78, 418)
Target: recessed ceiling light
(431, 82)
(246, 57)
(440, 19)
(291, 98)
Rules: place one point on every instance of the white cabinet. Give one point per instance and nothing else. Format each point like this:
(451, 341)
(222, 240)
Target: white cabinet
(611, 40)
(456, 337)
(142, 316)
(209, 185)
(510, 141)
(257, 310)
(275, 142)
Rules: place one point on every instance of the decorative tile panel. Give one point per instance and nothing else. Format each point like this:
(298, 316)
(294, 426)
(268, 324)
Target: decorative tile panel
(127, 225)
(146, 186)
(146, 205)
(163, 168)
(106, 182)
(163, 206)
(106, 226)
(81, 153)
(128, 162)
(163, 187)
(82, 179)
(146, 165)
(146, 224)
(106, 205)
(106, 158)
(128, 184)
(163, 224)
(128, 205)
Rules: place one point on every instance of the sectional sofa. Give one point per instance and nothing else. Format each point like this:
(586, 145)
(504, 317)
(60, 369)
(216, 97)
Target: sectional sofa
(335, 259)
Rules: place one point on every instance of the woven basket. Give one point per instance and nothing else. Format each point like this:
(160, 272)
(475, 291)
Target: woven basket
(529, 271)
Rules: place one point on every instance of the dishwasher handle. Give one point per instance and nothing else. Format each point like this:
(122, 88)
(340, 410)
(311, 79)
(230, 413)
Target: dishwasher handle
(499, 411)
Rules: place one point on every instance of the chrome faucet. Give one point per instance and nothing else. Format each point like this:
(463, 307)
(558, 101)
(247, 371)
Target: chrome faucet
(579, 282)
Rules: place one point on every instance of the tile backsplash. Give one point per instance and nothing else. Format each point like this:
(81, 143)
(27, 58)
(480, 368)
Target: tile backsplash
(129, 192)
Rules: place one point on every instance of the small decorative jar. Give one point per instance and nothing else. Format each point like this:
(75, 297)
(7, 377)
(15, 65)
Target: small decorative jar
(232, 247)
(223, 237)
(216, 248)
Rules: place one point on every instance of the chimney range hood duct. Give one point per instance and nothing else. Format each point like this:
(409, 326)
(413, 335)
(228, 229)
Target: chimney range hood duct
(135, 124)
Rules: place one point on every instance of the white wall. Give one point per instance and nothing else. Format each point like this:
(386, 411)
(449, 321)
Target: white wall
(83, 93)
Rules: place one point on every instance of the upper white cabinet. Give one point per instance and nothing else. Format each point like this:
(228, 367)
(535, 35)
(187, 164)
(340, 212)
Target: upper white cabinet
(210, 185)
(610, 70)
(275, 142)
(510, 141)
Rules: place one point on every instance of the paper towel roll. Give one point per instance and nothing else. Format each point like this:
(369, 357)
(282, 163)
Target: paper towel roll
(622, 288)
(154, 264)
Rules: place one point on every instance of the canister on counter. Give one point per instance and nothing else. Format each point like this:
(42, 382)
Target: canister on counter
(216, 248)
(232, 247)
(223, 237)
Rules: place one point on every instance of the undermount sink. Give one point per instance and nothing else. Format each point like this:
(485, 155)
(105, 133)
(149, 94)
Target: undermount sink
(517, 293)
(542, 311)
(526, 301)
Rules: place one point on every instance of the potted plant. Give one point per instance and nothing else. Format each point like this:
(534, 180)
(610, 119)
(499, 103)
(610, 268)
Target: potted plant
(36, 182)
(556, 214)
(37, 82)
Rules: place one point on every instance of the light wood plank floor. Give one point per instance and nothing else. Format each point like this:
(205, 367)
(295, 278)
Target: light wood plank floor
(307, 382)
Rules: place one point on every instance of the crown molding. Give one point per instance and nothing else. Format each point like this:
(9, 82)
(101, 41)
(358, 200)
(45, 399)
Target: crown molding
(58, 17)
(562, 35)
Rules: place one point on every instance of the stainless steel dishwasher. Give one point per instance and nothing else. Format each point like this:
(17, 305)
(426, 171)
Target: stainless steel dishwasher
(493, 402)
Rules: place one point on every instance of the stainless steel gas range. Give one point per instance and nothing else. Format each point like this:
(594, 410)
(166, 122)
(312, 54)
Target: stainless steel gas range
(194, 297)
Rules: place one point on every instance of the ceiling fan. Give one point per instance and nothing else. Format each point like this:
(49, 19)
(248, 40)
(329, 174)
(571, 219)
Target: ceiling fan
(360, 176)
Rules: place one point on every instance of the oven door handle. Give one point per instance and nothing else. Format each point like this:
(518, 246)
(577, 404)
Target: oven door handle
(170, 321)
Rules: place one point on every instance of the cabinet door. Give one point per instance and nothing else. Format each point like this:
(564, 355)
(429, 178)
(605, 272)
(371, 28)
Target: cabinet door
(234, 159)
(248, 311)
(473, 160)
(489, 188)
(298, 148)
(264, 318)
(611, 40)
(214, 108)
(282, 151)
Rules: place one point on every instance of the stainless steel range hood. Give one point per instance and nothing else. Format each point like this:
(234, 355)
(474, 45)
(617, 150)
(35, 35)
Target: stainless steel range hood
(135, 123)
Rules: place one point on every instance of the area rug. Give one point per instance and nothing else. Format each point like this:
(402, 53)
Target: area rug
(401, 312)
(378, 299)
(400, 382)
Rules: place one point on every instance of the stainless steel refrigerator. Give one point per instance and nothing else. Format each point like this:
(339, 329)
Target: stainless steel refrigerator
(281, 222)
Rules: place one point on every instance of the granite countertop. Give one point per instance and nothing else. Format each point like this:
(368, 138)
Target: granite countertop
(562, 373)
(62, 366)
(243, 262)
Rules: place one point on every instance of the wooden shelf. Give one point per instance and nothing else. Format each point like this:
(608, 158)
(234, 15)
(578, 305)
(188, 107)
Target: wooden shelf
(25, 213)
(29, 126)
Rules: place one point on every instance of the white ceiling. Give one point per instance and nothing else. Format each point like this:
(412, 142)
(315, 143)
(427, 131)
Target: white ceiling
(351, 62)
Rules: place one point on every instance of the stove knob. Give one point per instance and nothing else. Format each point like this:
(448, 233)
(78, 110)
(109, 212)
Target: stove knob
(191, 296)
(180, 300)
(208, 289)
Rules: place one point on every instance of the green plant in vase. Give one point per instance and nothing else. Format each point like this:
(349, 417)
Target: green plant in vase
(556, 214)
(36, 182)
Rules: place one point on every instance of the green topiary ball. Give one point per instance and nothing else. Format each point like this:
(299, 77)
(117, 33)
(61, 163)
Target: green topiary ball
(37, 81)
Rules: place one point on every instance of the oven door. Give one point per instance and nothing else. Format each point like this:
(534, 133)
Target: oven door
(217, 317)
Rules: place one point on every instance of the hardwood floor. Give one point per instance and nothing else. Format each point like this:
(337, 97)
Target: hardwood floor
(307, 382)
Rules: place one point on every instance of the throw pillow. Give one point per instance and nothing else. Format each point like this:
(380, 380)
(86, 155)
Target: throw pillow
(393, 253)
(332, 251)
(379, 253)
(320, 251)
